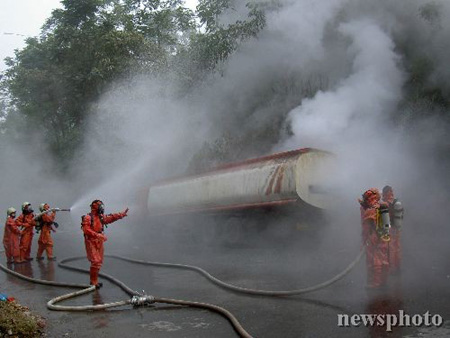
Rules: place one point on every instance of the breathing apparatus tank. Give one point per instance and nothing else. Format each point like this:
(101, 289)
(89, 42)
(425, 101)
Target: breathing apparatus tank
(397, 207)
(384, 223)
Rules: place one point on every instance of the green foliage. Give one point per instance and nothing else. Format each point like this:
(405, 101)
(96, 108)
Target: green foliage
(55, 81)
(209, 11)
(264, 117)
(431, 12)
(17, 321)
(211, 46)
(220, 41)
(52, 85)
(423, 95)
(159, 21)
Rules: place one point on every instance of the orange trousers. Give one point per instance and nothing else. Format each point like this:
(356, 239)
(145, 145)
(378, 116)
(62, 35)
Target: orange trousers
(377, 263)
(94, 251)
(48, 248)
(25, 245)
(12, 249)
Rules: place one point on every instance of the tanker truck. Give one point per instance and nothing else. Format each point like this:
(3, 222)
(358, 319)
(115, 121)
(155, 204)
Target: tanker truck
(286, 191)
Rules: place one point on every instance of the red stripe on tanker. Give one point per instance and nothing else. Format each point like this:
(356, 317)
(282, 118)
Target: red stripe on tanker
(276, 179)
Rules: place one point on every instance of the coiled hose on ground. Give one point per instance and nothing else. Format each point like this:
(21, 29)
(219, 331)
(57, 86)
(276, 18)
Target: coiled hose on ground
(247, 290)
(140, 299)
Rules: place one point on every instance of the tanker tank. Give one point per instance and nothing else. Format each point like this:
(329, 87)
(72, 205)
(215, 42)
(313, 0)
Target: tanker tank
(283, 194)
(300, 175)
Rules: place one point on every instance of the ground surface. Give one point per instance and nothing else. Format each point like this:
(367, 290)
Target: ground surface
(262, 263)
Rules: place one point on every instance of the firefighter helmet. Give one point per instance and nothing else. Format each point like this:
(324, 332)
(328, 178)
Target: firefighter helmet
(25, 205)
(372, 192)
(98, 205)
(386, 189)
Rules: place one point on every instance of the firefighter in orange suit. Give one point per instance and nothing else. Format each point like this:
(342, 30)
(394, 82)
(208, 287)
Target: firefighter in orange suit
(11, 238)
(396, 214)
(27, 223)
(45, 225)
(377, 247)
(93, 225)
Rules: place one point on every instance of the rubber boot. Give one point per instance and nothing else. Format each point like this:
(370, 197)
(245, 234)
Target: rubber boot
(50, 256)
(39, 252)
(94, 277)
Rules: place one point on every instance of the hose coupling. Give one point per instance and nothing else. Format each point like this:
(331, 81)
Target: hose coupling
(142, 300)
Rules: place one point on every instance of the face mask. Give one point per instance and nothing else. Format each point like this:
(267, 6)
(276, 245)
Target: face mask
(101, 209)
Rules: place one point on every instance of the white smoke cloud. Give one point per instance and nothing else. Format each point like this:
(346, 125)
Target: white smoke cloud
(349, 112)
(350, 45)
(331, 66)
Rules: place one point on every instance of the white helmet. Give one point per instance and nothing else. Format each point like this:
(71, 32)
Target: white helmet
(42, 206)
(10, 211)
(24, 205)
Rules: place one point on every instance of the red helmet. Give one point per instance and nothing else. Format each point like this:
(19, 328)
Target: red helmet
(371, 197)
(98, 206)
(371, 192)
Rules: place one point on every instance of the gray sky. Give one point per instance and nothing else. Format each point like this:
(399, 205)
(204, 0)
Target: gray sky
(22, 18)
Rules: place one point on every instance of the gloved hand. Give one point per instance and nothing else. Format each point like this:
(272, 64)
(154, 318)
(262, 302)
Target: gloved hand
(56, 225)
(102, 237)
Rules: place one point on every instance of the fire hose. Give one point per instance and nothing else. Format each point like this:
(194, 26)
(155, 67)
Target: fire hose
(36, 217)
(143, 299)
(240, 289)
(137, 299)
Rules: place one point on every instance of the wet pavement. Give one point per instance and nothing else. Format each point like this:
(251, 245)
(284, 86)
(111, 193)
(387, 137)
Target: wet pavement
(254, 263)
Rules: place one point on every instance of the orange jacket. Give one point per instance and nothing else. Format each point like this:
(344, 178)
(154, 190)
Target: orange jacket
(369, 223)
(377, 249)
(11, 230)
(27, 222)
(93, 229)
(45, 235)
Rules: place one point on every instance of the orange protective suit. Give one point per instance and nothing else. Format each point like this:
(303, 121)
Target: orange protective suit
(27, 222)
(394, 245)
(377, 250)
(93, 227)
(11, 238)
(45, 242)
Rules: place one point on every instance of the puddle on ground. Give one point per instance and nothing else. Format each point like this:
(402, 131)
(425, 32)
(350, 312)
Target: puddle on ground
(432, 332)
(196, 323)
(161, 326)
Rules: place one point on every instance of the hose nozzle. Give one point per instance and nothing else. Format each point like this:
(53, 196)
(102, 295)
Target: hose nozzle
(142, 300)
(59, 209)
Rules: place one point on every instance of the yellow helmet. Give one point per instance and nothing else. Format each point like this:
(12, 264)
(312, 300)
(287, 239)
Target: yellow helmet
(10, 211)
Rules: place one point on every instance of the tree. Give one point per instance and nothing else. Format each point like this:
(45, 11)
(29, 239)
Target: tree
(83, 48)
(215, 41)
